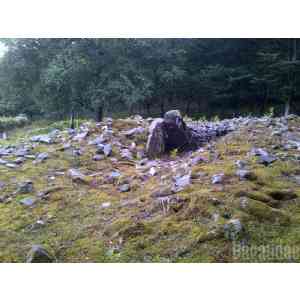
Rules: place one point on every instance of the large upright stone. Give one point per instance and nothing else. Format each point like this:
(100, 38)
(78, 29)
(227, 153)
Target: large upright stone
(175, 131)
(156, 140)
(171, 133)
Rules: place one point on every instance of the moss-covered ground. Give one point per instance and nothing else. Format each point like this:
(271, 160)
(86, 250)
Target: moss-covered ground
(136, 227)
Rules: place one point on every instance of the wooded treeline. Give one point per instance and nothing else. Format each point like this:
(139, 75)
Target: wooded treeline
(201, 77)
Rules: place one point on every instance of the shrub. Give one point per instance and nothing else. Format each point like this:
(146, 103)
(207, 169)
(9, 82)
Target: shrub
(7, 123)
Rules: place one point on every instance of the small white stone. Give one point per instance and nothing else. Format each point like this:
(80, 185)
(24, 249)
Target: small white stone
(152, 171)
(105, 204)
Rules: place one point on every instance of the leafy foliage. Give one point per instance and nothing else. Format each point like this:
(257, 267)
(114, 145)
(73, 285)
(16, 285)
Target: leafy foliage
(53, 77)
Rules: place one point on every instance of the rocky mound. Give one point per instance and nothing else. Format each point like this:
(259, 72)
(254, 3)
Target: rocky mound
(93, 194)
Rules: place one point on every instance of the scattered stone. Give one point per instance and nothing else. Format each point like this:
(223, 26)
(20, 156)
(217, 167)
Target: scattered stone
(38, 254)
(97, 140)
(21, 152)
(25, 187)
(77, 176)
(27, 201)
(263, 156)
(215, 217)
(98, 157)
(233, 229)
(41, 157)
(181, 182)
(107, 149)
(267, 159)
(241, 164)
(77, 152)
(105, 204)
(42, 139)
(11, 165)
(3, 162)
(126, 154)
(246, 174)
(197, 160)
(80, 136)
(65, 147)
(2, 185)
(152, 171)
(134, 131)
(218, 178)
(124, 188)
(113, 177)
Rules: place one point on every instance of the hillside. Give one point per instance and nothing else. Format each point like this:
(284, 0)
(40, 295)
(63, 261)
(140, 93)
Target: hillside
(87, 203)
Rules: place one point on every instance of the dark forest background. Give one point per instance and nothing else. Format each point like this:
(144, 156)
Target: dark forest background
(50, 78)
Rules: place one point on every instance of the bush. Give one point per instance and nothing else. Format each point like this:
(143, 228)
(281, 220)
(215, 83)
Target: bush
(7, 123)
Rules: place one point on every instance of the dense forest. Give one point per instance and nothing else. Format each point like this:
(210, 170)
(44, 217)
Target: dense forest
(50, 78)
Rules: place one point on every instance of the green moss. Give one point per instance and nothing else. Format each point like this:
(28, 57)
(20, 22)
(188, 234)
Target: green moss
(262, 212)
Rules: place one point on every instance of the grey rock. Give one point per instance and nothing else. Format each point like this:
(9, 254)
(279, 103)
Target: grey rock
(11, 165)
(134, 131)
(115, 174)
(245, 174)
(124, 188)
(105, 204)
(38, 254)
(126, 154)
(2, 185)
(155, 144)
(21, 152)
(77, 152)
(152, 171)
(42, 139)
(41, 157)
(181, 182)
(27, 201)
(3, 162)
(197, 160)
(76, 175)
(263, 156)
(25, 187)
(267, 159)
(80, 136)
(107, 150)
(19, 160)
(217, 178)
(98, 157)
(65, 147)
(233, 229)
(241, 164)
(97, 140)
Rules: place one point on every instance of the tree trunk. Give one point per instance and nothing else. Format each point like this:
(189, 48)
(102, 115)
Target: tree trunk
(187, 109)
(99, 115)
(72, 121)
(162, 108)
(148, 109)
(292, 58)
(287, 108)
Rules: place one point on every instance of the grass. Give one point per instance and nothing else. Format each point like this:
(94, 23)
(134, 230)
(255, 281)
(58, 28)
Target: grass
(135, 228)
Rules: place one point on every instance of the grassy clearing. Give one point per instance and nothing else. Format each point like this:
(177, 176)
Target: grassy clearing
(135, 227)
